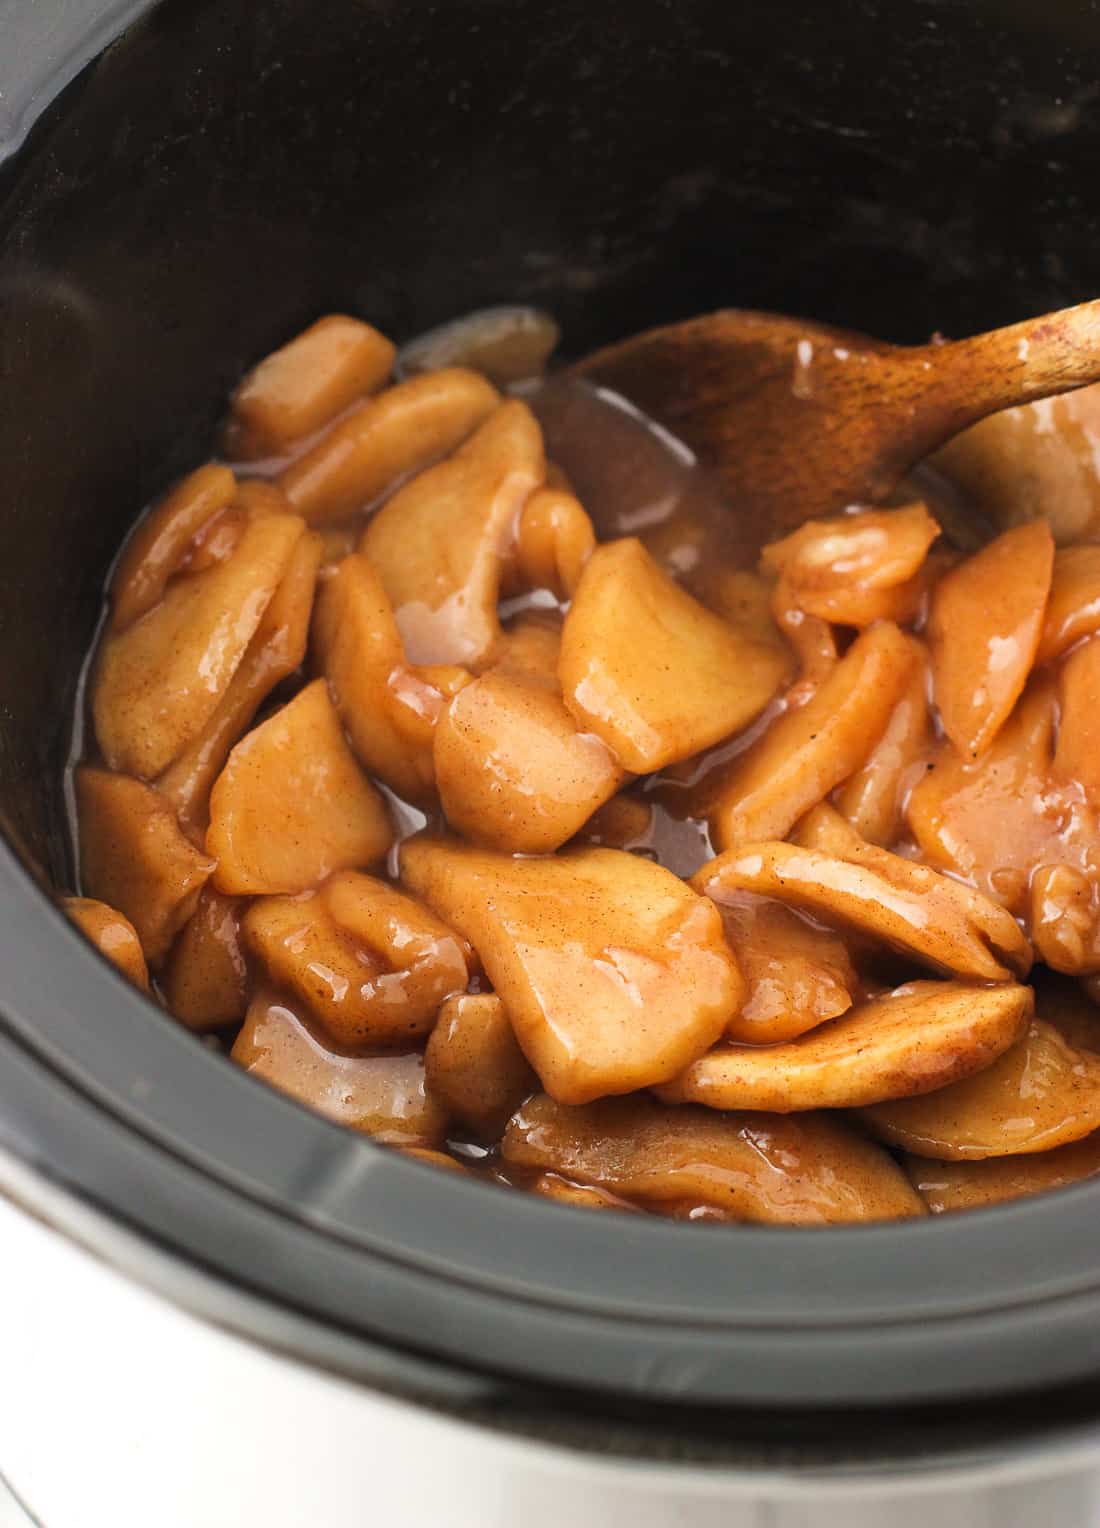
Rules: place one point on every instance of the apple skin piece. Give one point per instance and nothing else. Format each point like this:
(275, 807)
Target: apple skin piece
(650, 670)
(614, 973)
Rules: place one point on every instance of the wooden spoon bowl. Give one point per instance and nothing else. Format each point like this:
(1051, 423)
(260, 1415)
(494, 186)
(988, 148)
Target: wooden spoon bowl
(800, 419)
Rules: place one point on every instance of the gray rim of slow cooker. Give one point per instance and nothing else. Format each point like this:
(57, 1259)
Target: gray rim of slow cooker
(256, 1187)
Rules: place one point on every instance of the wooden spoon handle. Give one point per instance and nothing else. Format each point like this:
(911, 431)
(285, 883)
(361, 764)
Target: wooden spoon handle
(1033, 359)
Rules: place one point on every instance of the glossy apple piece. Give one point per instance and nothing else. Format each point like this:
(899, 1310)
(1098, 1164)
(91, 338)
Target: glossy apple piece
(992, 820)
(389, 708)
(473, 1063)
(205, 980)
(134, 856)
(907, 906)
(650, 670)
(949, 1186)
(160, 541)
(383, 1096)
(292, 805)
(369, 963)
(276, 650)
(919, 1037)
(112, 934)
(806, 753)
(805, 1170)
(439, 544)
(1040, 1094)
(873, 799)
(798, 974)
(384, 440)
(513, 769)
(984, 626)
(158, 682)
(299, 388)
(615, 975)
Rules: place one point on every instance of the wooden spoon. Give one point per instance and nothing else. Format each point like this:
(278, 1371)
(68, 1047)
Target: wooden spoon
(800, 419)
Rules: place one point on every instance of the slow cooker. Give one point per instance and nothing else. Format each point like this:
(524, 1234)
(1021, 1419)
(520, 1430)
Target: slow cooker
(215, 1307)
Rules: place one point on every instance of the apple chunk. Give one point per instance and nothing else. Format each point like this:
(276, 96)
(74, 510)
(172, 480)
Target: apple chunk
(158, 682)
(984, 627)
(439, 544)
(134, 857)
(473, 1064)
(615, 974)
(809, 1169)
(651, 671)
(292, 805)
(513, 770)
(383, 1096)
(113, 936)
(1039, 1095)
(367, 963)
(919, 1037)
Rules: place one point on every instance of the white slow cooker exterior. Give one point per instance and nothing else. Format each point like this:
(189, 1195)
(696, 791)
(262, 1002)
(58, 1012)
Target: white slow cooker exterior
(120, 1409)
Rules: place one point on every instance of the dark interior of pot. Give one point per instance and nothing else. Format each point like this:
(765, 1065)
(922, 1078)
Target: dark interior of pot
(227, 171)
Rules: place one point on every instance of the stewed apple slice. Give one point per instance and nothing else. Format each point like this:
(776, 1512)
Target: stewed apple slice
(554, 540)
(798, 974)
(292, 805)
(798, 1170)
(368, 962)
(1040, 1094)
(384, 1096)
(905, 905)
(205, 980)
(874, 549)
(804, 754)
(134, 856)
(983, 629)
(389, 708)
(919, 1037)
(948, 1186)
(439, 544)
(873, 799)
(113, 936)
(161, 541)
(276, 650)
(302, 386)
(1073, 609)
(513, 769)
(474, 1064)
(158, 681)
(385, 439)
(650, 670)
(614, 973)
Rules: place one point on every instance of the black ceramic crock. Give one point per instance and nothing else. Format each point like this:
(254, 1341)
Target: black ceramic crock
(224, 172)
